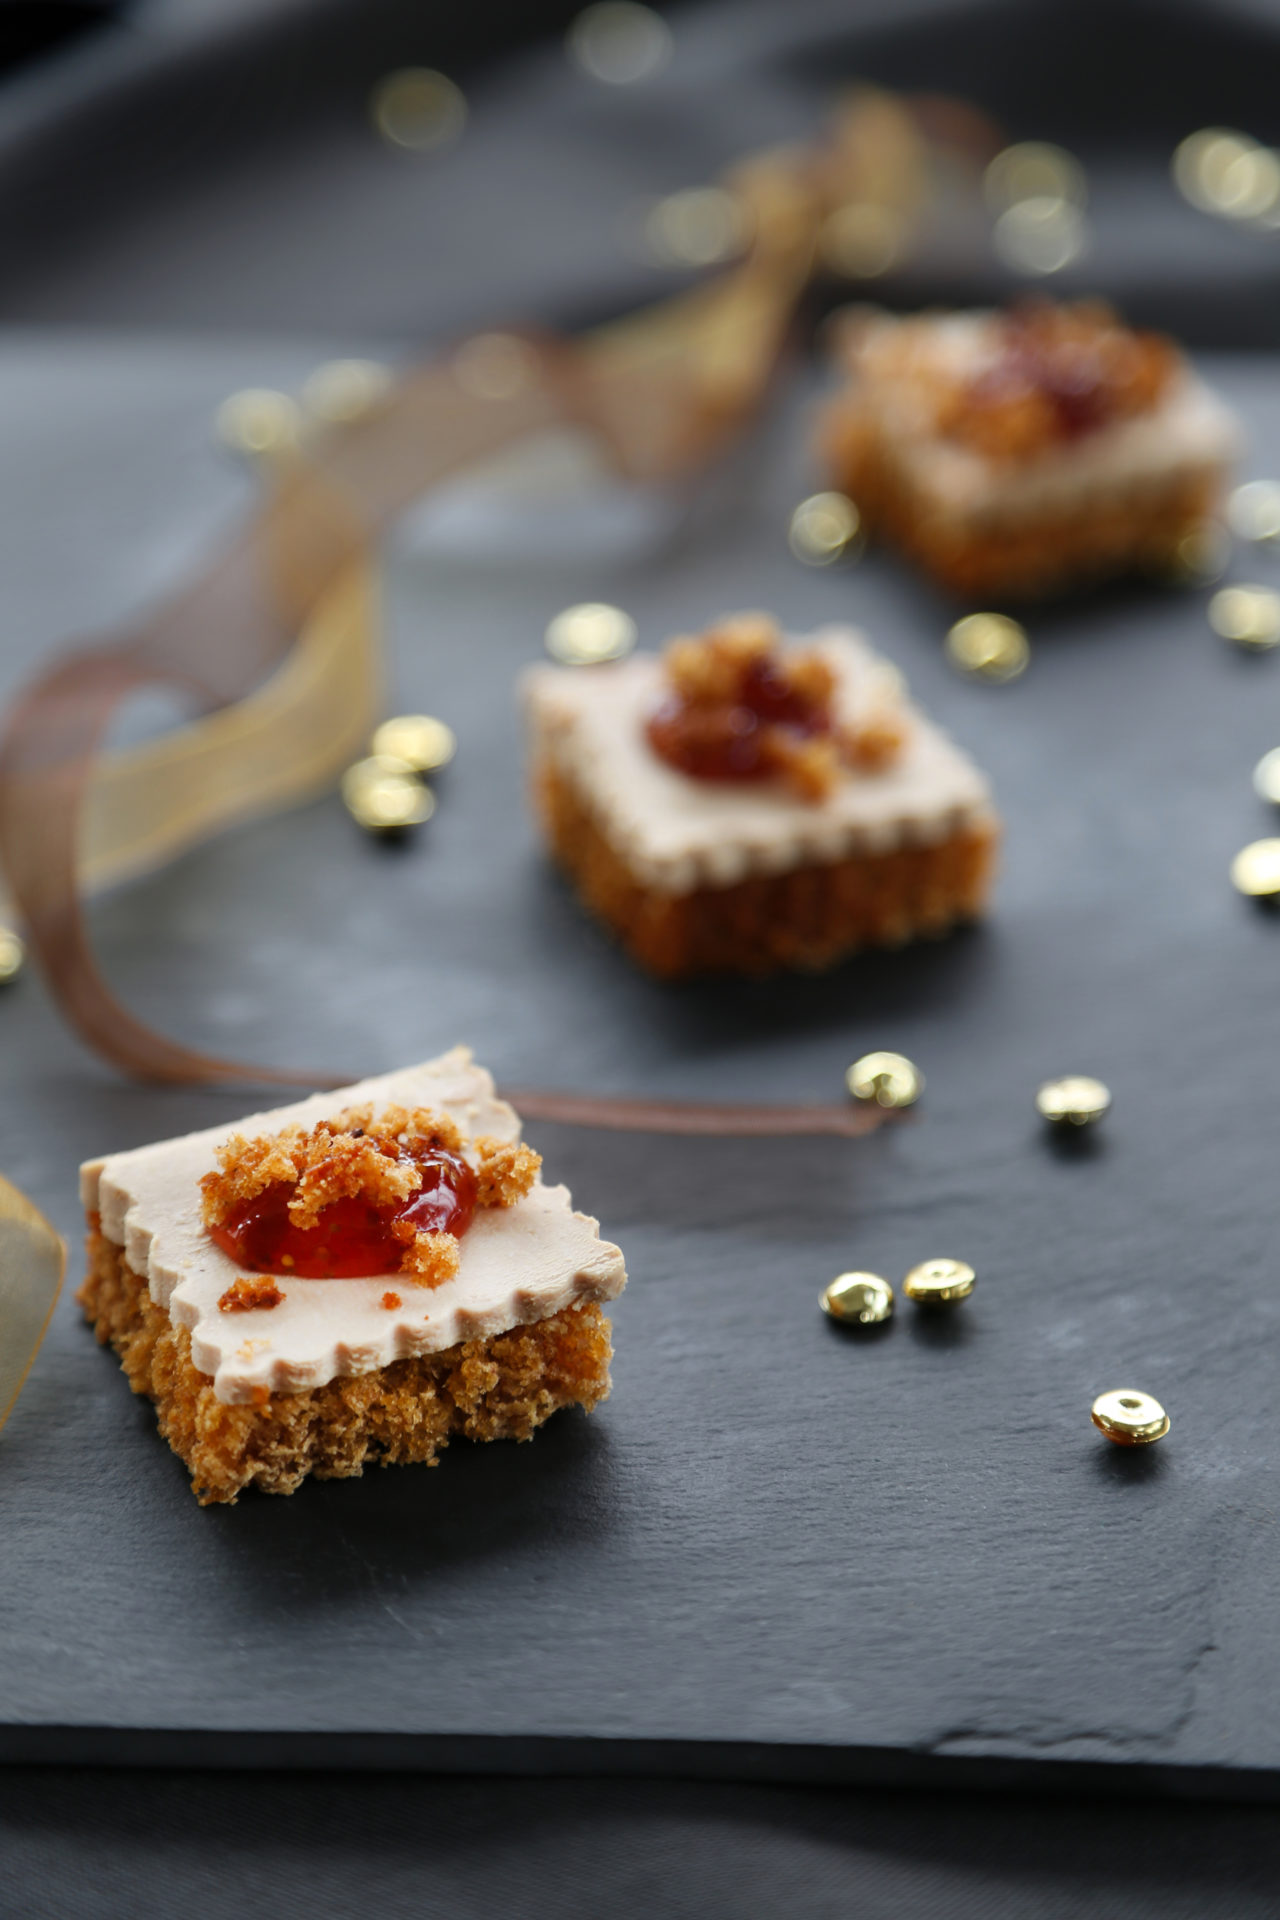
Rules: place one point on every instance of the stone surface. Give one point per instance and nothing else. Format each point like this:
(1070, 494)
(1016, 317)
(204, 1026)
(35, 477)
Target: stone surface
(675, 1570)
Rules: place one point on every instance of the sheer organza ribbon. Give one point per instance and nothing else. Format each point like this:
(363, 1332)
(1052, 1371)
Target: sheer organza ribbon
(32, 1262)
(277, 639)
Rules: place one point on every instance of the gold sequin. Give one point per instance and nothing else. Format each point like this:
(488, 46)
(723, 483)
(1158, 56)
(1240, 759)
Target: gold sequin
(858, 1300)
(940, 1283)
(988, 645)
(824, 528)
(422, 742)
(885, 1080)
(385, 796)
(588, 634)
(1076, 1100)
(1255, 871)
(1248, 615)
(1130, 1418)
(12, 955)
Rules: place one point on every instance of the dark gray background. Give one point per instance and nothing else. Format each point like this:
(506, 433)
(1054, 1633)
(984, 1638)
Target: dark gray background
(939, 1545)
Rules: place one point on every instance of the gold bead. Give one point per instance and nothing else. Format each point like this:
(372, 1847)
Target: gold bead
(824, 528)
(1077, 1100)
(989, 646)
(259, 420)
(1248, 615)
(858, 1300)
(345, 390)
(1255, 871)
(385, 796)
(885, 1080)
(1253, 511)
(1130, 1418)
(589, 634)
(1266, 777)
(12, 955)
(940, 1283)
(418, 108)
(423, 743)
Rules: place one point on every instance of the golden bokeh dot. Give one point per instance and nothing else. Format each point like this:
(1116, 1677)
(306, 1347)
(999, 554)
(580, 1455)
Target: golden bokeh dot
(620, 42)
(989, 646)
(1266, 777)
(1129, 1417)
(1247, 615)
(1203, 161)
(384, 795)
(1075, 1100)
(342, 391)
(589, 634)
(418, 108)
(422, 742)
(697, 227)
(1040, 235)
(884, 1079)
(260, 421)
(1034, 169)
(863, 239)
(1253, 511)
(12, 955)
(1255, 871)
(1201, 555)
(825, 528)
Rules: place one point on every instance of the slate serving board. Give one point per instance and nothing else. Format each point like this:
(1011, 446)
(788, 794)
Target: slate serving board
(775, 1551)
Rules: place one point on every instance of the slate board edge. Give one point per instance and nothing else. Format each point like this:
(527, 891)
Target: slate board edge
(773, 1762)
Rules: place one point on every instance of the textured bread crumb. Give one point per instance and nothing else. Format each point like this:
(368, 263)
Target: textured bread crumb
(249, 1295)
(743, 705)
(807, 918)
(502, 1388)
(353, 1155)
(508, 1170)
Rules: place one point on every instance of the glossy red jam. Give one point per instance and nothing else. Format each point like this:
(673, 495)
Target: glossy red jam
(729, 741)
(351, 1238)
(1071, 378)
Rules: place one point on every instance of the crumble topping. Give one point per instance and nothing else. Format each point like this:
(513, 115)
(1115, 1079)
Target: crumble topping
(376, 1161)
(743, 707)
(251, 1294)
(392, 1302)
(1019, 383)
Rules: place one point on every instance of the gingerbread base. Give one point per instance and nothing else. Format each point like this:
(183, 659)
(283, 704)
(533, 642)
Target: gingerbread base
(1018, 555)
(806, 919)
(497, 1389)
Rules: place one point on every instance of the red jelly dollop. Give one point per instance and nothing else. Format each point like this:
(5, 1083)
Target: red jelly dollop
(351, 1238)
(728, 742)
